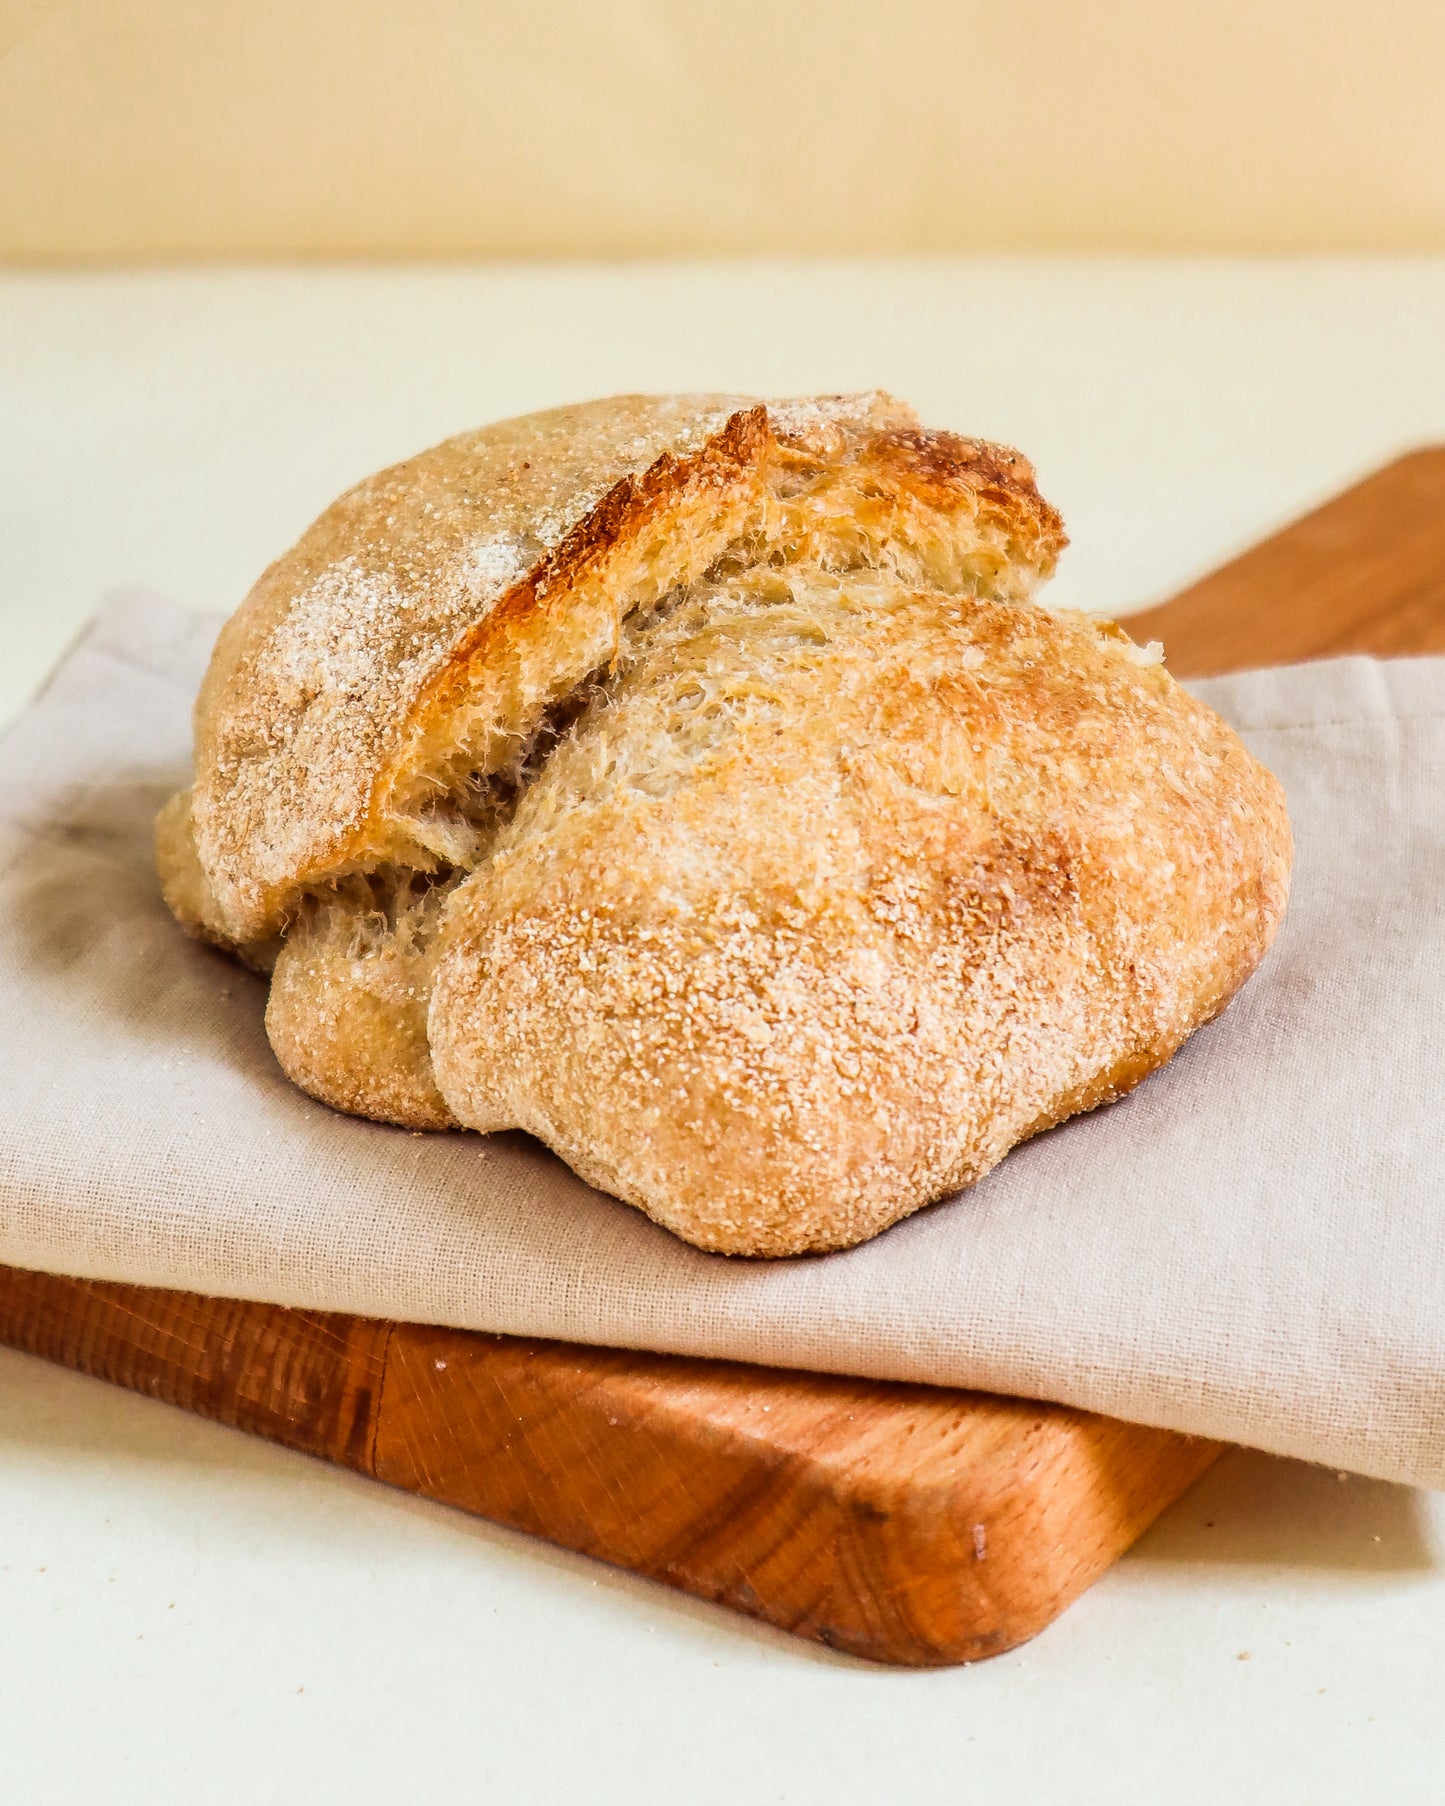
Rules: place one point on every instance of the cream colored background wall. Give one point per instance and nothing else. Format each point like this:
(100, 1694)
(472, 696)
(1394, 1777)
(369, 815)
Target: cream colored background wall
(243, 128)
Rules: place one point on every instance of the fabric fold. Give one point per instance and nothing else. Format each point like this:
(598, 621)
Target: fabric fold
(1251, 1246)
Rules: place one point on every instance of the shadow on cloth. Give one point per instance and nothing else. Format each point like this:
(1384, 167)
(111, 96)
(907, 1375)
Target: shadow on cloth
(87, 900)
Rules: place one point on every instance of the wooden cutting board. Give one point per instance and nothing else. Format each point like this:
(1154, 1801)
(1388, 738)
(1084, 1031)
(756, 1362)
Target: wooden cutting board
(909, 1524)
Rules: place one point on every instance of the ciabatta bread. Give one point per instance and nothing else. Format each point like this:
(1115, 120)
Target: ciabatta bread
(695, 783)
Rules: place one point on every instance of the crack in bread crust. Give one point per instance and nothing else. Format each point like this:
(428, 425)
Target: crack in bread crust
(695, 783)
(455, 598)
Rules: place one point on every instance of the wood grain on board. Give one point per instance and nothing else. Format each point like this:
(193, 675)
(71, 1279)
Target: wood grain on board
(909, 1524)
(1363, 573)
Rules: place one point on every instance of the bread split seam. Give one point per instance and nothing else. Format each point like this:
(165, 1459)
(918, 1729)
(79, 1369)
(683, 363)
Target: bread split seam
(699, 785)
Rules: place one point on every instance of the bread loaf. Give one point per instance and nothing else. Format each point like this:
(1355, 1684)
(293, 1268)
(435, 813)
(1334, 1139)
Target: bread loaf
(696, 784)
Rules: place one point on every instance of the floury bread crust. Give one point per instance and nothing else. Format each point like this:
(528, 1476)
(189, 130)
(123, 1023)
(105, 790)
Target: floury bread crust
(693, 783)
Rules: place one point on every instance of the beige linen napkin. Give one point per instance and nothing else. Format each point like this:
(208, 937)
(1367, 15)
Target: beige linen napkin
(1252, 1246)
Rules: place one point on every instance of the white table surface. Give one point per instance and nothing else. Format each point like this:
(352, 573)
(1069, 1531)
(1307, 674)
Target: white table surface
(187, 1613)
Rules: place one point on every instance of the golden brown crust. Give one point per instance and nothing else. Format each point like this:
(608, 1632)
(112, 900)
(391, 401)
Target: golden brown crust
(349, 1025)
(308, 702)
(972, 872)
(342, 667)
(692, 782)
